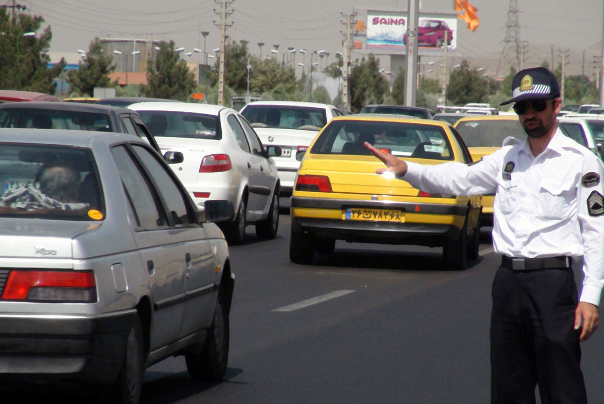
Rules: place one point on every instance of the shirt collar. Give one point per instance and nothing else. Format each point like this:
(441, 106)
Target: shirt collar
(555, 144)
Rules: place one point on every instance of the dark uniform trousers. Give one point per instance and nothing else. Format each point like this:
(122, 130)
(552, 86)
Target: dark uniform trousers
(533, 341)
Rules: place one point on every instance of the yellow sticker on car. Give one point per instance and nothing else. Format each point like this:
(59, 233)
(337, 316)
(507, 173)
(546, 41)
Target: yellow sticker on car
(375, 215)
(95, 214)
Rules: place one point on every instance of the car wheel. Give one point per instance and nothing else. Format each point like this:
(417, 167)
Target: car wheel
(126, 389)
(211, 362)
(301, 247)
(474, 244)
(235, 230)
(267, 229)
(455, 252)
(325, 245)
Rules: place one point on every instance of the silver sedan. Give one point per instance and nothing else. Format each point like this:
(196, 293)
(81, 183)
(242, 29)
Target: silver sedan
(106, 266)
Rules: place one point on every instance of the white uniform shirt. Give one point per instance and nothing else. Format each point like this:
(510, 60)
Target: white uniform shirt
(541, 206)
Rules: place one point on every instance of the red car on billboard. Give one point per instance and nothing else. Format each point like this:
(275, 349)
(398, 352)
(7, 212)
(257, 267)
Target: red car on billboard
(432, 33)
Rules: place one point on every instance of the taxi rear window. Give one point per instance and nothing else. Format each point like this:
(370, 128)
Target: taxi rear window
(397, 138)
(49, 182)
(489, 133)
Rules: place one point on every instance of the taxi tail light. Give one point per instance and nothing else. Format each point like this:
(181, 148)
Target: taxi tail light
(215, 163)
(53, 286)
(313, 183)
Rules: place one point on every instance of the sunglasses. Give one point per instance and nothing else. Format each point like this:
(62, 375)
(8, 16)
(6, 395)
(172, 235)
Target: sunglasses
(537, 105)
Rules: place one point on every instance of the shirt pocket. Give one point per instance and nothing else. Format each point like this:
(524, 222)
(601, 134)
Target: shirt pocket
(556, 198)
(507, 195)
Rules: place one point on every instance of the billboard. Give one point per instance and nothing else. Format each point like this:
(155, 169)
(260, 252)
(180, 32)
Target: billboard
(386, 32)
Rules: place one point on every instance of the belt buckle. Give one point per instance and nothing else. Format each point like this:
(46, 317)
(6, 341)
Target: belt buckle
(518, 264)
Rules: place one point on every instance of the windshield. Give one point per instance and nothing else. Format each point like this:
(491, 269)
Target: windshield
(401, 111)
(182, 124)
(49, 182)
(398, 139)
(597, 130)
(285, 117)
(429, 24)
(54, 119)
(574, 131)
(489, 133)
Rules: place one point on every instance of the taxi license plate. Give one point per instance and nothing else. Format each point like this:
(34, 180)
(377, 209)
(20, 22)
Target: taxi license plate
(286, 152)
(375, 215)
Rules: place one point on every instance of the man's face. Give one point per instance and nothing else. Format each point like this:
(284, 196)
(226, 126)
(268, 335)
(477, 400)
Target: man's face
(537, 123)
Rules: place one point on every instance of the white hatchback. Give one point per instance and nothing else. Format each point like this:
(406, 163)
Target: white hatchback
(218, 157)
(290, 125)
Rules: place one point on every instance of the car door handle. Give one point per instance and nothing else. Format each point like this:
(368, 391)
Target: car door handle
(150, 266)
(249, 165)
(188, 262)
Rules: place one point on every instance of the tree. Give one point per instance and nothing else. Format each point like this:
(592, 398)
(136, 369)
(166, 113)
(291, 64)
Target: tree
(367, 85)
(93, 71)
(465, 85)
(169, 76)
(321, 95)
(24, 56)
(236, 60)
(506, 85)
(398, 88)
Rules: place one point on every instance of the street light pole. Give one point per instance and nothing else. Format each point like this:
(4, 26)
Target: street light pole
(260, 45)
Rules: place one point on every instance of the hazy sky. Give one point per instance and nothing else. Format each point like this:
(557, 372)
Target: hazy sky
(316, 24)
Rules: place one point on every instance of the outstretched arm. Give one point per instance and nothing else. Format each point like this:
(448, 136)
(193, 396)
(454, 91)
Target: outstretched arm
(393, 164)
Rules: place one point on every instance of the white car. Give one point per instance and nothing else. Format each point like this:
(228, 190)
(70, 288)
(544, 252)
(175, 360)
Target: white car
(579, 130)
(218, 157)
(290, 125)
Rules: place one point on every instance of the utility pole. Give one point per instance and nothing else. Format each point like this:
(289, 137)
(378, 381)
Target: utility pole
(445, 72)
(511, 43)
(551, 67)
(346, 55)
(523, 54)
(565, 53)
(602, 69)
(223, 27)
(412, 48)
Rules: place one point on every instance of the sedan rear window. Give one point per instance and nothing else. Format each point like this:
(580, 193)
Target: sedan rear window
(49, 182)
(489, 133)
(396, 138)
(182, 124)
(285, 117)
(54, 119)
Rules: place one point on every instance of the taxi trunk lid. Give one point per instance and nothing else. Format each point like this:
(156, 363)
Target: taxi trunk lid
(356, 175)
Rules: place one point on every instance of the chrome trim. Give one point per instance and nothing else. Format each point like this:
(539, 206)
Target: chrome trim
(407, 207)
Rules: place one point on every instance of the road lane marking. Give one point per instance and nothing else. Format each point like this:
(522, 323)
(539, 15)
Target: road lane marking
(486, 251)
(314, 300)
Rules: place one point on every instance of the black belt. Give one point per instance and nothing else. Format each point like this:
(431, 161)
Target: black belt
(526, 264)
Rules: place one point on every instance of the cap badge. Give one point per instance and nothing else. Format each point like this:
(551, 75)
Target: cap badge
(526, 83)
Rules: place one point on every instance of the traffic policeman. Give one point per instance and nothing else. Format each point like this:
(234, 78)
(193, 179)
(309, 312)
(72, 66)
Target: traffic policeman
(548, 213)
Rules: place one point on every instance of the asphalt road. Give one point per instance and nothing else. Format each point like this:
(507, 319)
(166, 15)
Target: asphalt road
(366, 324)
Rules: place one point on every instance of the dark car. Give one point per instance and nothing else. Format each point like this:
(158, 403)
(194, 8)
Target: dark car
(74, 116)
(398, 110)
(20, 96)
(126, 101)
(432, 33)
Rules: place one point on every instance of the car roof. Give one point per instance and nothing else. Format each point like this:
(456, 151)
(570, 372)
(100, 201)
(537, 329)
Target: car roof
(489, 118)
(390, 118)
(291, 104)
(62, 106)
(400, 107)
(450, 114)
(78, 138)
(17, 95)
(136, 99)
(178, 107)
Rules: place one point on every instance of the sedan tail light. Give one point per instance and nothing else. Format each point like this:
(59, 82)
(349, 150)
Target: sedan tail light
(313, 183)
(54, 286)
(215, 163)
(302, 148)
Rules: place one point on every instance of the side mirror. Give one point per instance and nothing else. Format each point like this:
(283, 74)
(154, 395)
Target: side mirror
(273, 151)
(174, 157)
(217, 211)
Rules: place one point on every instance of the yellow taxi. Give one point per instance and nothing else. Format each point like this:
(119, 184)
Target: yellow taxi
(338, 196)
(484, 134)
